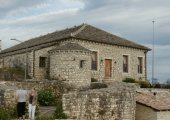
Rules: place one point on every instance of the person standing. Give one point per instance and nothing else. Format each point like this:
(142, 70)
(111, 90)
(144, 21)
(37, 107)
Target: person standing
(21, 98)
(32, 103)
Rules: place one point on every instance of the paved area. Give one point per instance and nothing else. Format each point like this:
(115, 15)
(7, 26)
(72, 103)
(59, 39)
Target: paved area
(47, 110)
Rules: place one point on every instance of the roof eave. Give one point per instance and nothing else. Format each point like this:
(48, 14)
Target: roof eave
(156, 109)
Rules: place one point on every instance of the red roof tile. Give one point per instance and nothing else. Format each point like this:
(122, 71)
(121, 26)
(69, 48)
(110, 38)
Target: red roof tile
(160, 101)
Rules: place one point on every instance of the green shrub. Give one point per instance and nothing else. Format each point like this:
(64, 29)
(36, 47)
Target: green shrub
(97, 85)
(157, 85)
(59, 114)
(37, 109)
(17, 71)
(44, 118)
(4, 114)
(129, 80)
(144, 84)
(14, 73)
(46, 97)
(13, 112)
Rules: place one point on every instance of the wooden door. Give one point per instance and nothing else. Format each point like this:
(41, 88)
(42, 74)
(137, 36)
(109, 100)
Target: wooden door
(108, 67)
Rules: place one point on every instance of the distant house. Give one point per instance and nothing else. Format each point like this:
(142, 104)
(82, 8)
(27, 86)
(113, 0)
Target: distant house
(153, 105)
(78, 54)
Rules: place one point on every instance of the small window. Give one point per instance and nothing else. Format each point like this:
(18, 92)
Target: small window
(82, 63)
(42, 62)
(94, 61)
(140, 65)
(125, 63)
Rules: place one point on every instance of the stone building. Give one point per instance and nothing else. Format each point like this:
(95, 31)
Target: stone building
(78, 54)
(153, 104)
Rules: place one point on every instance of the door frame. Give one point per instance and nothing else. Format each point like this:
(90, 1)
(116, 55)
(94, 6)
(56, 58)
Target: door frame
(110, 63)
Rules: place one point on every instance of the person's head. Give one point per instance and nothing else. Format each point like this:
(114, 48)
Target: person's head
(33, 90)
(20, 86)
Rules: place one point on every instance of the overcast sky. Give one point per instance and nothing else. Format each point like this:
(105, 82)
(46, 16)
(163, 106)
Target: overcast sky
(131, 19)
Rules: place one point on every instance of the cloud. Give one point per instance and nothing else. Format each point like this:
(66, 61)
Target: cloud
(13, 7)
(124, 4)
(131, 19)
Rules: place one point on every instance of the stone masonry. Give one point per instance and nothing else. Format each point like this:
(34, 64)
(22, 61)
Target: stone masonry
(115, 53)
(104, 51)
(8, 89)
(153, 104)
(113, 103)
(68, 67)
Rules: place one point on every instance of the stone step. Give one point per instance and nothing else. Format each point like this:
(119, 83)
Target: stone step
(47, 110)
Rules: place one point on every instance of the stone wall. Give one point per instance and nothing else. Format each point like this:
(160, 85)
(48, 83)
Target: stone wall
(117, 102)
(7, 94)
(13, 60)
(113, 103)
(115, 53)
(1, 97)
(66, 65)
(33, 69)
(163, 115)
(41, 72)
(145, 113)
(160, 98)
(8, 89)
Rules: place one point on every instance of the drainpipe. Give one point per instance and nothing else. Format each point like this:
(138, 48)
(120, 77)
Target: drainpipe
(33, 62)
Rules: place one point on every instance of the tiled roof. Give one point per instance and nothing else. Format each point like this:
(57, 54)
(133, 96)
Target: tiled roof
(159, 102)
(94, 34)
(82, 32)
(70, 46)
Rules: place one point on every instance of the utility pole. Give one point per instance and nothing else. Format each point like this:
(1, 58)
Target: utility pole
(0, 45)
(153, 50)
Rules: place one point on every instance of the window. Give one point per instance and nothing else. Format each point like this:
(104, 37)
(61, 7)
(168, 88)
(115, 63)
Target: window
(140, 65)
(82, 63)
(42, 62)
(94, 61)
(125, 63)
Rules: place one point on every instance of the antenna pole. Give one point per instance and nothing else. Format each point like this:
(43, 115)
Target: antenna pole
(153, 54)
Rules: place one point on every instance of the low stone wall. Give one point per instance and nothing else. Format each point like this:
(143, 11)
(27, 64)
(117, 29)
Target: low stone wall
(8, 89)
(113, 103)
(117, 102)
(7, 94)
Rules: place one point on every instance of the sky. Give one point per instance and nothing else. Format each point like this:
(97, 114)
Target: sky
(130, 19)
